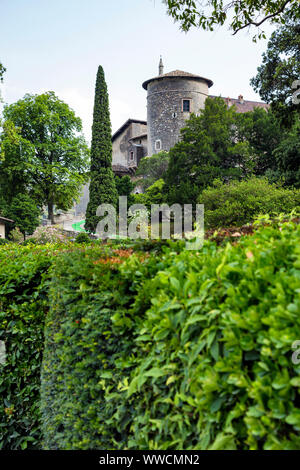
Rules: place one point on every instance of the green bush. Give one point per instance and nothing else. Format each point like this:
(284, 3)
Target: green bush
(82, 237)
(29, 241)
(4, 241)
(22, 315)
(239, 202)
(185, 351)
(16, 236)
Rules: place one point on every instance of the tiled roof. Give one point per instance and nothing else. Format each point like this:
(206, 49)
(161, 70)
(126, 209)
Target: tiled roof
(243, 106)
(178, 74)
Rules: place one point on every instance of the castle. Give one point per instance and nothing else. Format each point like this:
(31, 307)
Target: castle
(171, 98)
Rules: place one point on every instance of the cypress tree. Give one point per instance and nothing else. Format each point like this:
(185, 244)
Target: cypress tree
(102, 183)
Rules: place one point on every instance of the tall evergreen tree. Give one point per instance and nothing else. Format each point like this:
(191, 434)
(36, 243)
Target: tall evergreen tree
(102, 185)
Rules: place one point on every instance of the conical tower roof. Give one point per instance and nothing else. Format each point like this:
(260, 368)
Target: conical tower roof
(178, 74)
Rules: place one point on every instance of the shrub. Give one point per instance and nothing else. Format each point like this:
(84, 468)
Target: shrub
(239, 202)
(82, 237)
(29, 241)
(4, 241)
(52, 234)
(185, 351)
(16, 235)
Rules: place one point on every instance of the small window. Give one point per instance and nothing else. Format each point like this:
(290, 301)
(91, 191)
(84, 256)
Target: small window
(158, 144)
(131, 156)
(186, 106)
(174, 115)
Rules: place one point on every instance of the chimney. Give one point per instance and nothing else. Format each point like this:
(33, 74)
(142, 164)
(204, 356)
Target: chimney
(161, 67)
(241, 99)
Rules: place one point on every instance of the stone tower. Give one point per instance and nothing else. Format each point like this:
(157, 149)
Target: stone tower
(171, 98)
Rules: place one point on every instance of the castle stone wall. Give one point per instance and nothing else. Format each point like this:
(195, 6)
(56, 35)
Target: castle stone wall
(165, 117)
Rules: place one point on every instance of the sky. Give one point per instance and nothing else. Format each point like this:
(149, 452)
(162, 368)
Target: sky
(58, 45)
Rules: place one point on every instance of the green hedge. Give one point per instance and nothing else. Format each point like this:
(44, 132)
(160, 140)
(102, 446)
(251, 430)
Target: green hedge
(84, 347)
(23, 307)
(24, 276)
(181, 351)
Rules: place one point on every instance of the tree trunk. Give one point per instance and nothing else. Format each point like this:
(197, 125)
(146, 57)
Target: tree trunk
(50, 212)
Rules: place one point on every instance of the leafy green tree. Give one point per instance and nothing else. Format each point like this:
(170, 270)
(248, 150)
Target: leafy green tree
(262, 130)
(15, 160)
(152, 169)
(102, 185)
(25, 213)
(211, 147)
(280, 69)
(43, 152)
(241, 14)
(155, 192)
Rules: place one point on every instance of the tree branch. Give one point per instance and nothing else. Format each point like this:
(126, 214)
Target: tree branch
(259, 23)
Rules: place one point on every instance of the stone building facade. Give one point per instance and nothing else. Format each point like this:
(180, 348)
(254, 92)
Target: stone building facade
(129, 144)
(171, 98)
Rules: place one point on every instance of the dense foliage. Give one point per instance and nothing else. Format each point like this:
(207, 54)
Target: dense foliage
(42, 152)
(82, 237)
(263, 132)
(241, 14)
(287, 157)
(191, 350)
(154, 194)
(25, 213)
(223, 144)
(280, 68)
(239, 203)
(22, 315)
(212, 146)
(125, 187)
(75, 413)
(102, 183)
